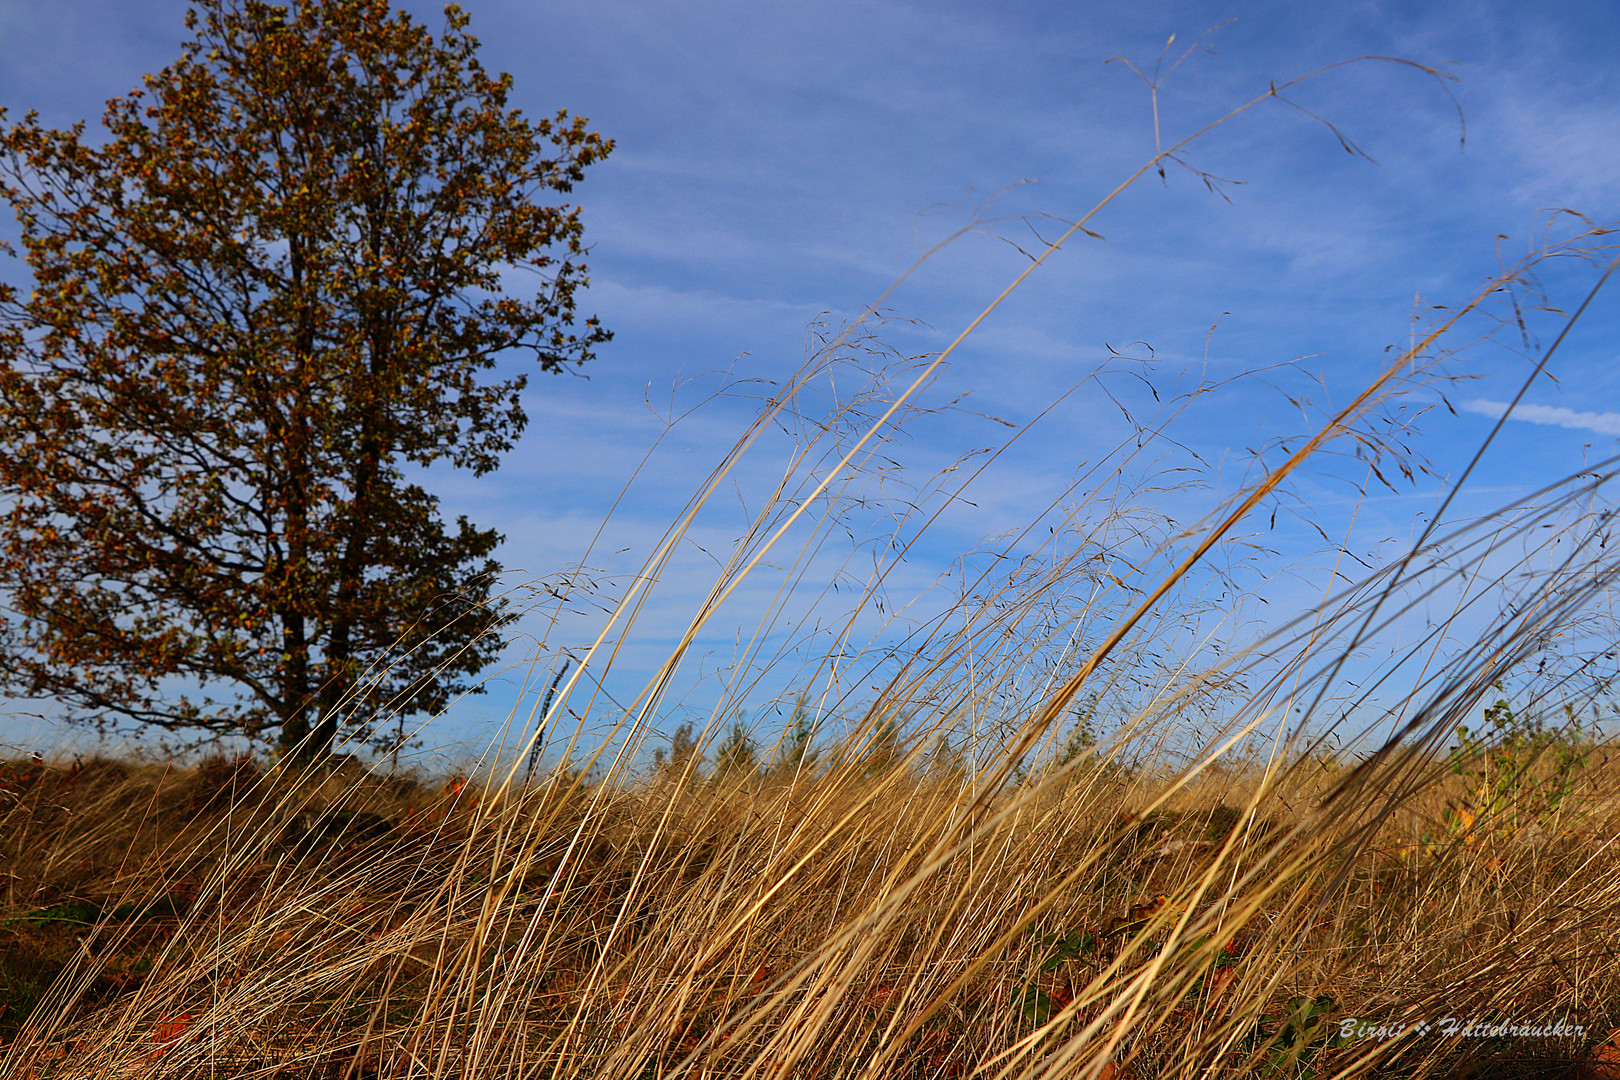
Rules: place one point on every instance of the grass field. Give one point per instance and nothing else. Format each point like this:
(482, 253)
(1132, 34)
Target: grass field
(856, 917)
(1372, 840)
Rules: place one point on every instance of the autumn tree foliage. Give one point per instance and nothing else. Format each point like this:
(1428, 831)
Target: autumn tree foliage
(278, 280)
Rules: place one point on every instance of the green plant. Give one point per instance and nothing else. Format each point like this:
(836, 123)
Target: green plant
(683, 748)
(1081, 741)
(1289, 1045)
(1058, 949)
(795, 753)
(73, 914)
(882, 749)
(737, 754)
(1517, 773)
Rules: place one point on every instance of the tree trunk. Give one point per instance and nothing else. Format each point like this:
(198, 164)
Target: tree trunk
(300, 737)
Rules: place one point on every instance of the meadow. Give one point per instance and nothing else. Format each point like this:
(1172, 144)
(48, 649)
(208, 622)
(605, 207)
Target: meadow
(1072, 834)
(856, 914)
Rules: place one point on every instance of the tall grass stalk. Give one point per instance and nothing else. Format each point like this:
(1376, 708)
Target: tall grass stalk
(961, 876)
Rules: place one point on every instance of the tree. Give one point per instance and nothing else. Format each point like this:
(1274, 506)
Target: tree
(738, 753)
(274, 286)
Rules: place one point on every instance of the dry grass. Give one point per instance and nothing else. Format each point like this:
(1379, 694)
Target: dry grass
(838, 922)
(1208, 891)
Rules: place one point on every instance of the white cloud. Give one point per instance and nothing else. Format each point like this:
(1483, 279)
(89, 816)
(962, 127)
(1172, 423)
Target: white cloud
(1567, 139)
(1606, 423)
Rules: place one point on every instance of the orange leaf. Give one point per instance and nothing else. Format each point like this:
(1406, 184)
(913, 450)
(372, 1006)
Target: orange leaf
(168, 1031)
(1601, 1063)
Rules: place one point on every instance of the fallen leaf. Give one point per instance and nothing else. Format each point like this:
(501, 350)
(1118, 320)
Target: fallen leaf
(1602, 1062)
(169, 1030)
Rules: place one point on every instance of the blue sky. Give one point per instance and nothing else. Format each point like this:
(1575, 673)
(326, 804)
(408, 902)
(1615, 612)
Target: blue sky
(779, 164)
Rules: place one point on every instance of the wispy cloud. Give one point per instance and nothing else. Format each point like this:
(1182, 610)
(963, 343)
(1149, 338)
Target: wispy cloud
(781, 164)
(1604, 423)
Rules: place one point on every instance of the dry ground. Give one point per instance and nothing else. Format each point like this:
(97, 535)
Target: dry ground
(223, 920)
